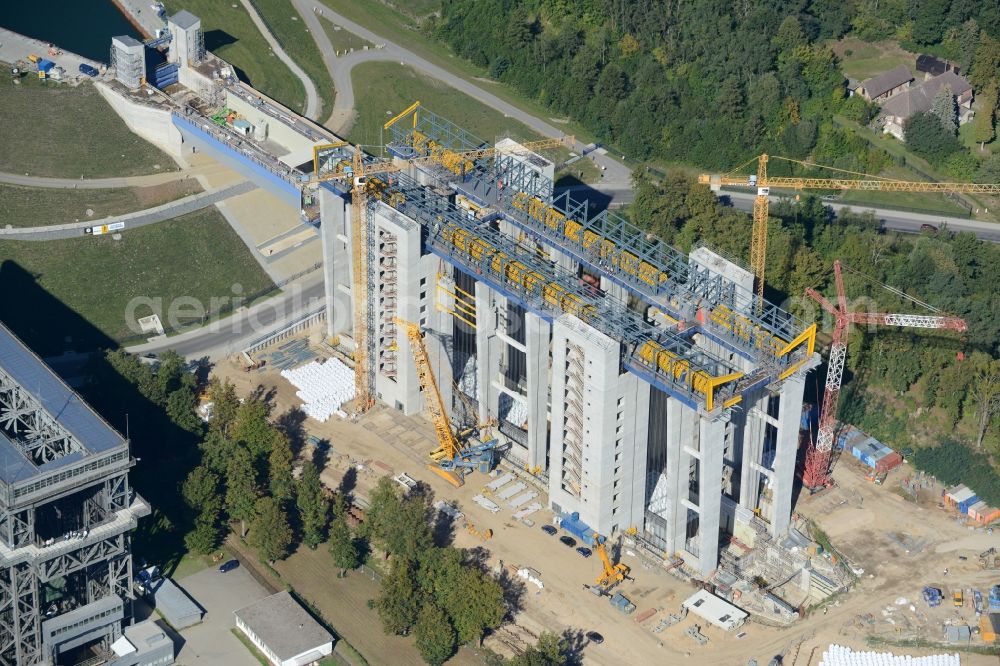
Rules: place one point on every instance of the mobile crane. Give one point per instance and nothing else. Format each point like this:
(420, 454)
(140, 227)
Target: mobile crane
(613, 573)
(455, 454)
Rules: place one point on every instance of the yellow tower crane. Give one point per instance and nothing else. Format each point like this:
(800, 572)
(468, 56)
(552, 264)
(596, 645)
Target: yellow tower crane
(359, 170)
(856, 181)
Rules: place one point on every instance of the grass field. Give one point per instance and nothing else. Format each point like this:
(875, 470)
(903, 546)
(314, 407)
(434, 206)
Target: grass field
(291, 32)
(401, 29)
(343, 39)
(231, 35)
(38, 206)
(383, 89)
(868, 59)
(67, 132)
(197, 255)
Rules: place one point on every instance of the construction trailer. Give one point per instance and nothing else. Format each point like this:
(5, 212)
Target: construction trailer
(716, 610)
(66, 511)
(652, 390)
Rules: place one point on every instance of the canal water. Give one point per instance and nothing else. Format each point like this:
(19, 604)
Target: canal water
(84, 27)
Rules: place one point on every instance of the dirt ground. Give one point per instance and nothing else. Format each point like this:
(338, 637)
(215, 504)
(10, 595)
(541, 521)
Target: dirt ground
(871, 526)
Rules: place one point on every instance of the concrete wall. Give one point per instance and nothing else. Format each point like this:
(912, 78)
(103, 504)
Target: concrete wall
(151, 123)
(276, 132)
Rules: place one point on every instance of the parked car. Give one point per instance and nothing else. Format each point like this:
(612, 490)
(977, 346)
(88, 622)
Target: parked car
(549, 529)
(928, 227)
(88, 69)
(568, 541)
(228, 566)
(586, 552)
(594, 637)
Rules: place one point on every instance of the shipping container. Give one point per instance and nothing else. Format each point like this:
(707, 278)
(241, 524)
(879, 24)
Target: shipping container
(888, 462)
(45, 65)
(983, 513)
(958, 495)
(578, 528)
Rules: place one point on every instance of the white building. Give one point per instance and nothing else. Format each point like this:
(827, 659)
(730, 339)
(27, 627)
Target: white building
(281, 629)
(715, 609)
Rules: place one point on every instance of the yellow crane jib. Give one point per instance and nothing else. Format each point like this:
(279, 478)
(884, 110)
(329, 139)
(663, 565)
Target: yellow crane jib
(612, 573)
(410, 109)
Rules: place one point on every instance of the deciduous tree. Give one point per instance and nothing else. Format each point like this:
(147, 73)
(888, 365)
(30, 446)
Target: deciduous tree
(398, 601)
(270, 533)
(313, 506)
(280, 468)
(343, 548)
(435, 635)
(241, 488)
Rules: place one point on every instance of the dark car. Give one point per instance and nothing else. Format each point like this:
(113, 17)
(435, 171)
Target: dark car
(549, 529)
(228, 566)
(928, 227)
(586, 552)
(595, 637)
(568, 541)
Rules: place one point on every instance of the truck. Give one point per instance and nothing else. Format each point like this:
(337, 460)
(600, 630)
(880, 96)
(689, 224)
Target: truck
(622, 603)
(959, 598)
(932, 596)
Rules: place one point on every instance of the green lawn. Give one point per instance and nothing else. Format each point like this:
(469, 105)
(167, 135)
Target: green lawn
(40, 206)
(66, 132)
(231, 35)
(81, 288)
(342, 39)
(383, 89)
(250, 647)
(868, 59)
(291, 32)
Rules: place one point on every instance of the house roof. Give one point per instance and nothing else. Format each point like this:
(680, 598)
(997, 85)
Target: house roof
(886, 81)
(921, 98)
(928, 63)
(284, 626)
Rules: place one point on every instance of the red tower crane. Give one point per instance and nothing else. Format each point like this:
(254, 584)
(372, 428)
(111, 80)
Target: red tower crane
(817, 463)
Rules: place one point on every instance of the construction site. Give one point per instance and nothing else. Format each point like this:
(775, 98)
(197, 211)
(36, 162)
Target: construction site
(579, 377)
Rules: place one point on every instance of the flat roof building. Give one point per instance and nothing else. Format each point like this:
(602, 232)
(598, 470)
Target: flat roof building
(284, 631)
(716, 610)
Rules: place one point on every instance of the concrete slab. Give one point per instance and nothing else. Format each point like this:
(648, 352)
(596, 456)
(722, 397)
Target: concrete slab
(212, 643)
(14, 47)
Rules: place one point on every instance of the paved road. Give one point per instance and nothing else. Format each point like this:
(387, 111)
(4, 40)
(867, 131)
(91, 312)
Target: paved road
(340, 71)
(167, 211)
(228, 336)
(28, 180)
(893, 219)
(313, 103)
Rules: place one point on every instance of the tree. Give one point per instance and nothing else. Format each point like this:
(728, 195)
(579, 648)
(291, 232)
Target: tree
(435, 635)
(343, 549)
(280, 468)
(241, 488)
(983, 125)
(225, 404)
(252, 429)
(313, 506)
(270, 533)
(986, 62)
(985, 391)
(943, 106)
(474, 601)
(205, 535)
(398, 601)
(201, 489)
(928, 26)
(926, 137)
(989, 170)
(547, 652)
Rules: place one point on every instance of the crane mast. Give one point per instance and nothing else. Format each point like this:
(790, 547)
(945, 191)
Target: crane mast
(817, 464)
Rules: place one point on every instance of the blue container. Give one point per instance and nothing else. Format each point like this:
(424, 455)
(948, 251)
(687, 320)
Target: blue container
(88, 70)
(963, 506)
(578, 528)
(45, 65)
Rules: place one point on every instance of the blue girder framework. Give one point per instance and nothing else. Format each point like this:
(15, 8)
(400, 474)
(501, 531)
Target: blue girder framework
(610, 245)
(492, 260)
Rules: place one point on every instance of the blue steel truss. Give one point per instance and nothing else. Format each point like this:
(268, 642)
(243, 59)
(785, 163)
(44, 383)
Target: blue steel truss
(670, 281)
(440, 220)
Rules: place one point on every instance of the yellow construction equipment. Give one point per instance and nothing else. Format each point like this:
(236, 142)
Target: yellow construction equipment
(857, 181)
(485, 534)
(451, 458)
(359, 290)
(613, 573)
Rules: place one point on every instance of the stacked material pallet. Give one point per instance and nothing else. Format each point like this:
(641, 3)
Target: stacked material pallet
(322, 387)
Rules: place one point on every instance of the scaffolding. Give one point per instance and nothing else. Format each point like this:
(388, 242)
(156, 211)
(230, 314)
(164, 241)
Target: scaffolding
(128, 59)
(388, 274)
(573, 419)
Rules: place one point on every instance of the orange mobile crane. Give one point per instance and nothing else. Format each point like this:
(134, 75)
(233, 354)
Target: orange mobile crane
(860, 181)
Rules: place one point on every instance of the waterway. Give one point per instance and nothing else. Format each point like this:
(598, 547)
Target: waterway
(84, 27)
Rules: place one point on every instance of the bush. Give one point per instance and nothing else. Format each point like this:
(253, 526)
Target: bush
(951, 464)
(927, 137)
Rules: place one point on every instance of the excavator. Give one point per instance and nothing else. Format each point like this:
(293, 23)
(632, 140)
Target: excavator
(456, 454)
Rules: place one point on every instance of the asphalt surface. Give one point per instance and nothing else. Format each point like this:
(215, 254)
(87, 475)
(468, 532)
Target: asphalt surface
(313, 104)
(27, 180)
(167, 211)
